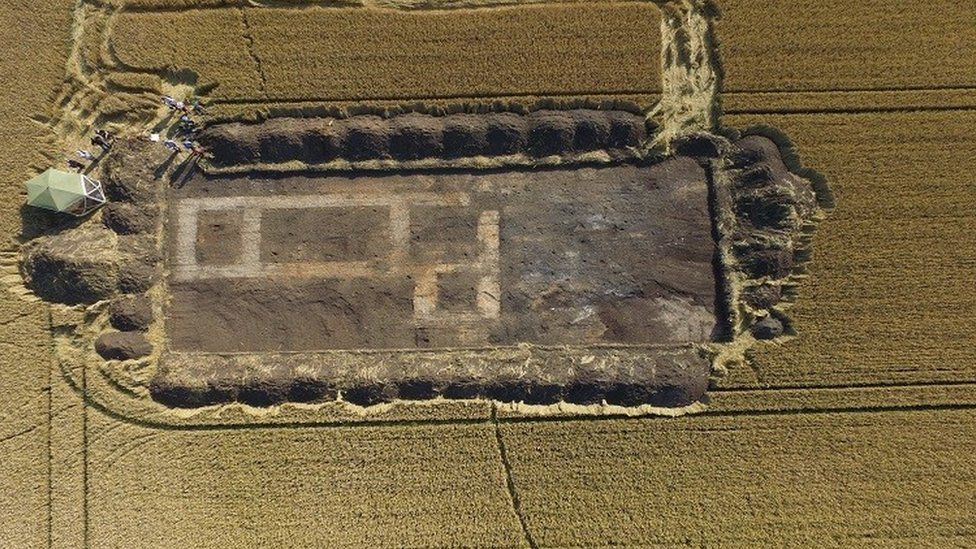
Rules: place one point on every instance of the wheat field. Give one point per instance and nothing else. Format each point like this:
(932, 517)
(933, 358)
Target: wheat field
(856, 433)
(371, 55)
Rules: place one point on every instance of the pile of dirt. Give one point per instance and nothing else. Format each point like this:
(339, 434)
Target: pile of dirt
(773, 207)
(116, 260)
(78, 266)
(131, 313)
(766, 214)
(122, 345)
(668, 378)
(416, 136)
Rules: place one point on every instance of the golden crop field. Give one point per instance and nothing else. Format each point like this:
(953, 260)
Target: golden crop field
(743, 481)
(856, 432)
(837, 46)
(892, 257)
(476, 56)
(369, 55)
(33, 67)
(205, 41)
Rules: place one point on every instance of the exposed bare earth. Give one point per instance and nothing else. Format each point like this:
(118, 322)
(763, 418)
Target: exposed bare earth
(568, 256)
(887, 299)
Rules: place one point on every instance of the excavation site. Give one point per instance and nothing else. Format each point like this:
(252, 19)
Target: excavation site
(538, 256)
(487, 273)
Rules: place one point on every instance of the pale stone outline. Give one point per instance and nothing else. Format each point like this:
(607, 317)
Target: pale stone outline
(249, 265)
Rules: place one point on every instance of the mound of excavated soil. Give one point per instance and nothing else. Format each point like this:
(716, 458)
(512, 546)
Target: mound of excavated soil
(417, 136)
(676, 377)
(80, 266)
(122, 345)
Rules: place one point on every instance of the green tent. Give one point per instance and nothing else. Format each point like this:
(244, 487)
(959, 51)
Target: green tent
(67, 192)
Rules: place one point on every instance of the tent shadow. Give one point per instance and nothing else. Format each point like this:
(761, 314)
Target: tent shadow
(35, 222)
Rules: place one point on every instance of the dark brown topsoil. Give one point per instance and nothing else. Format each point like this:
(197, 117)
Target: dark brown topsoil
(620, 254)
(415, 136)
(661, 377)
(612, 255)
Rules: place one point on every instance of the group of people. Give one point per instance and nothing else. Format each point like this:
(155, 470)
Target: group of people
(187, 131)
(187, 126)
(182, 106)
(100, 138)
(190, 145)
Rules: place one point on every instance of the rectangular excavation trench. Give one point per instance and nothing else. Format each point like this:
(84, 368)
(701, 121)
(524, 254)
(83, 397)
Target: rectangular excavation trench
(613, 255)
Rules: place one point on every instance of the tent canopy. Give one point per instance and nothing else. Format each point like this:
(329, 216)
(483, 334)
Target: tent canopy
(68, 192)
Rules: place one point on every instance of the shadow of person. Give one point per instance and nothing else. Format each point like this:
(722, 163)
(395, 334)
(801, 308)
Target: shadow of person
(183, 173)
(161, 170)
(165, 123)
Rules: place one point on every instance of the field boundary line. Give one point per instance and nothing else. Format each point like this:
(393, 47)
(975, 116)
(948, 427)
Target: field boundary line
(846, 110)
(414, 98)
(513, 494)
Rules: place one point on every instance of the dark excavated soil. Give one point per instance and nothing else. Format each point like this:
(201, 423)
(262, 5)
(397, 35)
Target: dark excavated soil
(620, 254)
(130, 313)
(122, 345)
(415, 136)
(218, 237)
(675, 377)
(551, 132)
(507, 134)
(342, 281)
(611, 255)
(125, 218)
(465, 135)
(367, 138)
